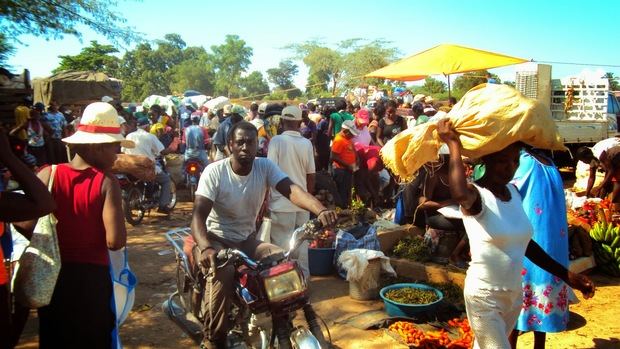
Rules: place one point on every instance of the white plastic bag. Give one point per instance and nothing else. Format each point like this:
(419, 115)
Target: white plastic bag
(355, 262)
(124, 281)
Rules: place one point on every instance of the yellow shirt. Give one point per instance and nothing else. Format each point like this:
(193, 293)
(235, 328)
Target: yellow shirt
(21, 115)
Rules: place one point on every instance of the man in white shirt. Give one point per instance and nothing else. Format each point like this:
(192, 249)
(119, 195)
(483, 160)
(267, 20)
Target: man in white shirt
(294, 155)
(148, 145)
(597, 157)
(228, 200)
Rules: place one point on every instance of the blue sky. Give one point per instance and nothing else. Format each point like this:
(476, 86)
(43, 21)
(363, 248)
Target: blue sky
(567, 31)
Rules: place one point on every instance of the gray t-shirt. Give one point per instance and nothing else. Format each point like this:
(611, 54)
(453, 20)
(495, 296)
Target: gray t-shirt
(236, 199)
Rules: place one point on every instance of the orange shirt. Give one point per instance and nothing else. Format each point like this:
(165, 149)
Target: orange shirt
(4, 276)
(344, 148)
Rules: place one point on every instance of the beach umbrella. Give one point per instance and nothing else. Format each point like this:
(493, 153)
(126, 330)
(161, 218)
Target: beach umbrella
(444, 59)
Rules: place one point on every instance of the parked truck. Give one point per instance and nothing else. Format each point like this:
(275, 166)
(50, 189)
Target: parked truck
(584, 108)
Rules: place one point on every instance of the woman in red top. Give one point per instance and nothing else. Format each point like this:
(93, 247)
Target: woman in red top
(90, 221)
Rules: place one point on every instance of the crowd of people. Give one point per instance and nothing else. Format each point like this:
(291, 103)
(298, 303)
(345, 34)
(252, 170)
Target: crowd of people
(268, 161)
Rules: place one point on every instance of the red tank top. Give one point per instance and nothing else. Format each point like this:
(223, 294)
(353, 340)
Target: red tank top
(81, 233)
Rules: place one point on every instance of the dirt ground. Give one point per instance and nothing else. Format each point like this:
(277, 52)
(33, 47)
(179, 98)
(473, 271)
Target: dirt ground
(594, 323)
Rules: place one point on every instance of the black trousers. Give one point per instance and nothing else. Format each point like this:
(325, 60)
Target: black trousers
(344, 182)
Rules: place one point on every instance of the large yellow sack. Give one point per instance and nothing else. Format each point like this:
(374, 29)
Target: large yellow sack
(488, 118)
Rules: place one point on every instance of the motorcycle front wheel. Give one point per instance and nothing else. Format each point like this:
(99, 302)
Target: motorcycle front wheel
(173, 195)
(132, 207)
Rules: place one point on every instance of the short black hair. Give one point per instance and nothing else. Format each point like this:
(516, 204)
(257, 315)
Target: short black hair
(392, 103)
(242, 125)
(417, 108)
(341, 104)
(584, 154)
(311, 107)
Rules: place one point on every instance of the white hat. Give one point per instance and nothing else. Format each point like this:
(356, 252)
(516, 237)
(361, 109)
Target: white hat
(428, 99)
(291, 112)
(227, 108)
(258, 123)
(418, 98)
(262, 107)
(99, 124)
(350, 125)
(107, 99)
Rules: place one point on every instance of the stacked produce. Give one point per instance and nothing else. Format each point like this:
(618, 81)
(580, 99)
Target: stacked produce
(412, 247)
(606, 247)
(418, 338)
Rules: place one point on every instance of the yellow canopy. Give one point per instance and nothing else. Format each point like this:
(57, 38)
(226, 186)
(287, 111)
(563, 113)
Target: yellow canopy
(443, 59)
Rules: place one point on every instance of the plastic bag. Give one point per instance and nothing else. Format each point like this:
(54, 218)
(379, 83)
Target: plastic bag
(345, 241)
(355, 262)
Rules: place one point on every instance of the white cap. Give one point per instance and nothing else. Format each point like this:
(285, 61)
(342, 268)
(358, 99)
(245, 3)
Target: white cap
(291, 112)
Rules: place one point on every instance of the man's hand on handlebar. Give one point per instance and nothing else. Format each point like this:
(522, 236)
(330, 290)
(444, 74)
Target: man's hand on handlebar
(207, 258)
(328, 218)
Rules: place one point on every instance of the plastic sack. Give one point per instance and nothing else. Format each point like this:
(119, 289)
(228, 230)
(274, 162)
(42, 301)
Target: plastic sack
(345, 241)
(488, 118)
(124, 281)
(355, 262)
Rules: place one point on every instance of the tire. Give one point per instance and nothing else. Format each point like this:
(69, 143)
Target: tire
(173, 195)
(183, 287)
(132, 207)
(192, 191)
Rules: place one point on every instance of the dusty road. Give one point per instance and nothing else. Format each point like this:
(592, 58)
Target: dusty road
(594, 325)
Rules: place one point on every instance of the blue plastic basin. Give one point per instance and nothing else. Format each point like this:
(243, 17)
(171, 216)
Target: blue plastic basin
(408, 310)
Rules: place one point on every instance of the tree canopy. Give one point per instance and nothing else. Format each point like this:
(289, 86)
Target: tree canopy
(54, 19)
(282, 77)
(343, 66)
(614, 85)
(95, 57)
(466, 81)
(230, 60)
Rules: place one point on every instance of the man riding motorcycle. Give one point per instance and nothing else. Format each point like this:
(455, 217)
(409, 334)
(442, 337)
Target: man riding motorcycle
(148, 145)
(195, 139)
(229, 196)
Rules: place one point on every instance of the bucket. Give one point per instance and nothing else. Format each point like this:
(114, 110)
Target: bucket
(321, 261)
(367, 287)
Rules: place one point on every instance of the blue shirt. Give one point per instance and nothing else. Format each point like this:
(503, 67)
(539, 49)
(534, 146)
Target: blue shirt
(221, 136)
(56, 122)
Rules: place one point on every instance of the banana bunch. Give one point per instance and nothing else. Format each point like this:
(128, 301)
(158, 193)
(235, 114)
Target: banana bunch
(606, 246)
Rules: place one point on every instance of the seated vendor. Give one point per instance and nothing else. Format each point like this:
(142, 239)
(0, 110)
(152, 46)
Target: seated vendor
(604, 154)
(436, 195)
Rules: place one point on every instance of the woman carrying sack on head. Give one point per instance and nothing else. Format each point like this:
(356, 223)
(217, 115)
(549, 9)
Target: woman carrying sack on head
(90, 221)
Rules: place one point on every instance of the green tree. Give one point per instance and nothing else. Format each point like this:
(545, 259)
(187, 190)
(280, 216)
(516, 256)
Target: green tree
(614, 85)
(95, 57)
(468, 80)
(53, 19)
(433, 86)
(195, 74)
(6, 49)
(282, 77)
(342, 67)
(230, 60)
(168, 67)
(254, 85)
(509, 83)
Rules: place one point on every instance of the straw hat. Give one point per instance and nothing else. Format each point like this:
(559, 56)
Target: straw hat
(99, 124)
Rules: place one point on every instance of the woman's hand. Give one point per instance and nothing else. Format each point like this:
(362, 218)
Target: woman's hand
(446, 131)
(581, 283)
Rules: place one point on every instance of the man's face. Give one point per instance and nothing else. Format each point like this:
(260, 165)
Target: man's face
(53, 107)
(243, 146)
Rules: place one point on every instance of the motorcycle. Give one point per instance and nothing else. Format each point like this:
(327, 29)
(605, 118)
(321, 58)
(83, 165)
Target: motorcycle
(274, 286)
(193, 169)
(140, 197)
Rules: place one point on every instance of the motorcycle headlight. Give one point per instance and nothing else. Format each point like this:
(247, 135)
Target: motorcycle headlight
(284, 285)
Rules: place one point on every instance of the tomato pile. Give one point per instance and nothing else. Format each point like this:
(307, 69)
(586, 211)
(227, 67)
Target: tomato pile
(325, 240)
(435, 339)
(593, 212)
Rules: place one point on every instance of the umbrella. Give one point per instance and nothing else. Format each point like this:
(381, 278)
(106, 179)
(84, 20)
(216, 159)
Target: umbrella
(190, 93)
(443, 59)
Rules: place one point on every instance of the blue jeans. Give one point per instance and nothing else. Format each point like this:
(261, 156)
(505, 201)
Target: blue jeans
(163, 179)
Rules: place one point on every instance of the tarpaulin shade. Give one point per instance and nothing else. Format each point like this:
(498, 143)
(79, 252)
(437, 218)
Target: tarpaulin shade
(75, 87)
(443, 59)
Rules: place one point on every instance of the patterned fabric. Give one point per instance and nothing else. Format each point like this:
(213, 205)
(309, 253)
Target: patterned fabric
(56, 122)
(345, 241)
(545, 297)
(35, 134)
